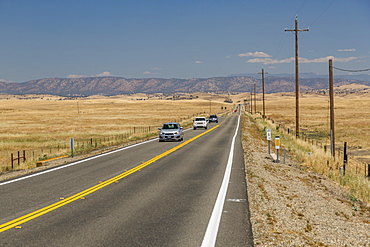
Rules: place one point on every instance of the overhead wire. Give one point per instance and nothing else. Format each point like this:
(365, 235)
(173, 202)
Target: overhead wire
(303, 35)
(281, 43)
(351, 70)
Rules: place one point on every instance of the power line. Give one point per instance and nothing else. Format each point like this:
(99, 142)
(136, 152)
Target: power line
(322, 13)
(352, 70)
(281, 43)
(318, 17)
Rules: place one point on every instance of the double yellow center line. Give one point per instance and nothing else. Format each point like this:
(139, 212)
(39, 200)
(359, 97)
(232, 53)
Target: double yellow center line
(17, 222)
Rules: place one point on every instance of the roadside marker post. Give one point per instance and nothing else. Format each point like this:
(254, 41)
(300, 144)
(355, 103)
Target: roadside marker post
(72, 146)
(277, 147)
(268, 135)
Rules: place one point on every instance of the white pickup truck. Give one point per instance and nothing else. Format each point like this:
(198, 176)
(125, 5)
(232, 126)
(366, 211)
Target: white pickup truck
(200, 122)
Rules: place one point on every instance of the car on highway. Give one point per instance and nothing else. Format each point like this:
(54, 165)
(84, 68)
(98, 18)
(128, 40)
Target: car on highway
(213, 119)
(200, 122)
(171, 132)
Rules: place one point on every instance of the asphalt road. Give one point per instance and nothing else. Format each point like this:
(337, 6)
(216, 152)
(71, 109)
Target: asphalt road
(189, 193)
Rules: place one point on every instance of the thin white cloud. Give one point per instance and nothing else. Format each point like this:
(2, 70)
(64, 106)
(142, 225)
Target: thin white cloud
(3, 80)
(300, 59)
(156, 68)
(254, 54)
(76, 76)
(228, 57)
(105, 73)
(147, 73)
(198, 61)
(346, 50)
(270, 60)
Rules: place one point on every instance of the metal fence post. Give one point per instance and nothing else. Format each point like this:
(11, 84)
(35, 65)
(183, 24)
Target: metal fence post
(284, 156)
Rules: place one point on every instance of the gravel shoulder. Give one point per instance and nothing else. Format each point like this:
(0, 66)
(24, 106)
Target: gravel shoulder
(291, 206)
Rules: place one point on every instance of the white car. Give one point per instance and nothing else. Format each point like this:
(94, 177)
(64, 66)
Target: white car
(200, 122)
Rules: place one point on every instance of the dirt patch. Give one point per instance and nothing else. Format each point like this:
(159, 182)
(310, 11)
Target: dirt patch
(291, 206)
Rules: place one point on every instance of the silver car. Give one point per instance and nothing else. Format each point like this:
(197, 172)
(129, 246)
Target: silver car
(171, 132)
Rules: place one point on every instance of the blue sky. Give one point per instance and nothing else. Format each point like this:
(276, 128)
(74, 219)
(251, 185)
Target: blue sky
(179, 38)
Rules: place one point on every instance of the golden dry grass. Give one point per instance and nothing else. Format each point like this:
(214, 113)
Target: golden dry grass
(44, 125)
(352, 116)
(352, 125)
(312, 157)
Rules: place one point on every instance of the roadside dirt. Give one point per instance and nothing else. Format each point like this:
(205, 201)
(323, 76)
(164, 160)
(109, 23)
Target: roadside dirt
(291, 206)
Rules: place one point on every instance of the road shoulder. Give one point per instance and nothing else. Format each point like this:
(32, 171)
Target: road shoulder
(291, 206)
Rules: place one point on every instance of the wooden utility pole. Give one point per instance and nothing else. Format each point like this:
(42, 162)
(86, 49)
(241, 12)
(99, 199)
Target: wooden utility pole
(331, 96)
(251, 103)
(296, 30)
(263, 93)
(255, 101)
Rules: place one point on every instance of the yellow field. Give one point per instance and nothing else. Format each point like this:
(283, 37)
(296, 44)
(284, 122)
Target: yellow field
(352, 125)
(351, 112)
(44, 125)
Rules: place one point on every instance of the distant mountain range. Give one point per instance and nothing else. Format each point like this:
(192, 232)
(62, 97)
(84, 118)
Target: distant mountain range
(87, 86)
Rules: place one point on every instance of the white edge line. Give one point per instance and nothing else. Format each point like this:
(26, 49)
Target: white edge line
(75, 163)
(214, 222)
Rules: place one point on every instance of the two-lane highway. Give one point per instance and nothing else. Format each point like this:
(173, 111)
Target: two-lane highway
(189, 193)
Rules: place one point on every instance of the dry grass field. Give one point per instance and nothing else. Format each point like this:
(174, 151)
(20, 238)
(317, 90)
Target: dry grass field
(352, 125)
(43, 125)
(352, 117)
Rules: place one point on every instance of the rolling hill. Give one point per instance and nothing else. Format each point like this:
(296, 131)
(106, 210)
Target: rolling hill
(87, 86)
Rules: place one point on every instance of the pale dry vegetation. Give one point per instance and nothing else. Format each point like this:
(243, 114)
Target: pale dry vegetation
(352, 125)
(43, 126)
(352, 116)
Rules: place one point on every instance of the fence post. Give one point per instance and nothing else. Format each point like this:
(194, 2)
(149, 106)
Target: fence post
(284, 156)
(345, 157)
(12, 159)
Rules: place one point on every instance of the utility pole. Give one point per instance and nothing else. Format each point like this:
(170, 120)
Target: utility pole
(255, 101)
(296, 30)
(331, 96)
(263, 93)
(251, 104)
